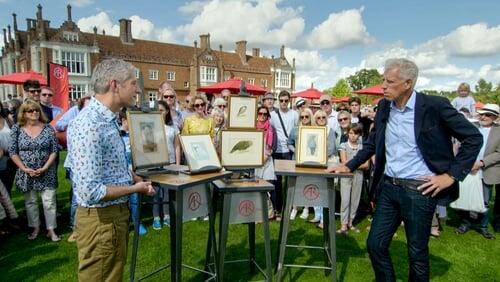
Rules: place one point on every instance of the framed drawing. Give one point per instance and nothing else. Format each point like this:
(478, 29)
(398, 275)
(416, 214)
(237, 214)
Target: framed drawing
(243, 149)
(148, 143)
(242, 112)
(312, 146)
(200, 153)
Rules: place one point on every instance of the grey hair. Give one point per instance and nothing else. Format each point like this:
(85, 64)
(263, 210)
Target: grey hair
(110, 69)
(218, 101)
(217, 111)
(407, 69)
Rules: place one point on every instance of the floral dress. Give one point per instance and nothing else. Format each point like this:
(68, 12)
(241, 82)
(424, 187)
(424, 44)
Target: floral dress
(34, 152)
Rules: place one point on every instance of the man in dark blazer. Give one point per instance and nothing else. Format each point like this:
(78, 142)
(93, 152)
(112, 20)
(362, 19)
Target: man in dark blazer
(414, 166)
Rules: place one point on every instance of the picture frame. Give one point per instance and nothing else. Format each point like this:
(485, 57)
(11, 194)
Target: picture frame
(200, 153)
(148, 142)
(242, 149)
(311, 150)
(242, 112)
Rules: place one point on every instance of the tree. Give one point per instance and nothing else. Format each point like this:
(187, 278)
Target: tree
(483, 86)
(365, 78)
(341, 89)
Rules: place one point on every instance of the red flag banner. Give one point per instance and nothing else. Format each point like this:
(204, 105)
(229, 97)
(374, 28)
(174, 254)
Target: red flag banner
(59, 82)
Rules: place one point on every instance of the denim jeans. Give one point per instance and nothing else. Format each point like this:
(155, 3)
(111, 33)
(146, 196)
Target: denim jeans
(396, 204)
(133, 201)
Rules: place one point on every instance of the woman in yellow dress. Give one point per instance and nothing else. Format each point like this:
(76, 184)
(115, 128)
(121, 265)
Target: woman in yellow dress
(200, 122)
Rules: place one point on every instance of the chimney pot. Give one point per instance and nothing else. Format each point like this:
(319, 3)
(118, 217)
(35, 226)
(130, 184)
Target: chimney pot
(241, 49)
(69, 12)
(205, 41)
(282, 51)
(125, 30)
(4, 37)
(256, 52)
(14, 17)
(9, 33)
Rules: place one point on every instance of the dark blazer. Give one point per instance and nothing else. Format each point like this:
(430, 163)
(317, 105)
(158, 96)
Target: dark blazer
(436, 122)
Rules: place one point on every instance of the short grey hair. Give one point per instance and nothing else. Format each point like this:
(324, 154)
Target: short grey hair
(218, 102)
(407, 69)
(110, 69)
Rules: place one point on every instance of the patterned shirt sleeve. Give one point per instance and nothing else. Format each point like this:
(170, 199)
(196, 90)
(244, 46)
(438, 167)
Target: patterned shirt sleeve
(14, 146)
(54, 146)
(88, 159)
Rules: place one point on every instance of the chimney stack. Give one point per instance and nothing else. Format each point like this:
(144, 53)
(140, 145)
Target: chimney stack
(256, 52)
(126, 30)
(39, 12)
(69, 12)
(14, 18)
(282, 51)
(241, 49)
(205, 41)
(10, 34)
(4, 37)
(103, 32)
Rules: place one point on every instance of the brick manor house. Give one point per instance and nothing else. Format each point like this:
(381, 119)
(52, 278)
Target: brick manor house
(186, 67)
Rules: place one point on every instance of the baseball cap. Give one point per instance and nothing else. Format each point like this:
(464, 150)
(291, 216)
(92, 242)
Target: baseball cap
(300, 102)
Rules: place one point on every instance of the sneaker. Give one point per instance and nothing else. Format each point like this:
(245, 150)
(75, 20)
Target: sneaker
(156, 224)
(305, 213)
(486, 234)
(142, 230)
(166, 221)
(204, 218)
(293, 214)
(462, 229)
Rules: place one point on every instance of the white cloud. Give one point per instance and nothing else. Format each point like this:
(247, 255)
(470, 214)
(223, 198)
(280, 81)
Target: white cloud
(489, 73)
(449, 70)
(102, 21)
(339, 30)
(81, 3)
(192, 7)
(141, 28)
(261, 23)
(422, 82)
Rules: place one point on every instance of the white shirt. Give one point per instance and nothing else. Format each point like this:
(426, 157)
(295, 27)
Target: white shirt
(333, 123)
(464, 102)
(290, 119)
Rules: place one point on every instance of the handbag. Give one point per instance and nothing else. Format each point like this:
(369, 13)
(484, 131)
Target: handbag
(471, 196)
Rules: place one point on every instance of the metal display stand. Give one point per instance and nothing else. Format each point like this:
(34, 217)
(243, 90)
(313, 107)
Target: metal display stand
(177, 184)
(287, 168)
(242, 201)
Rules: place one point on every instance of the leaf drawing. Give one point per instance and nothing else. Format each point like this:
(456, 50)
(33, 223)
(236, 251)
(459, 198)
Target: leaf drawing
(242, 111)
(241, 146)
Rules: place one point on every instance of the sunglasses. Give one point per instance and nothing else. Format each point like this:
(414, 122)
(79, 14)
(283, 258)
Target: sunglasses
(169, 97)
(30, 111)
(222, 106)
(343, 119)
(487, 115)
(304, 117)
(34, 91)
(47, 94)
(199, 105)
(325, 103)
(284, 101)
(262, 114)
(321, 118)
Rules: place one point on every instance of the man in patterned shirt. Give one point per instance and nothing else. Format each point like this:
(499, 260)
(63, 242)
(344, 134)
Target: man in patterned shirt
(101, 176)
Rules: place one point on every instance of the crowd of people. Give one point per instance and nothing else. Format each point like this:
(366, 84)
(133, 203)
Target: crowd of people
(393, 143)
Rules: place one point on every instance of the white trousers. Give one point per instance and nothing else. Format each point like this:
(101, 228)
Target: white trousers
(49, 208)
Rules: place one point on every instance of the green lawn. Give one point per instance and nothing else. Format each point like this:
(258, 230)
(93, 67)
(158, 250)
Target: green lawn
(469, 257)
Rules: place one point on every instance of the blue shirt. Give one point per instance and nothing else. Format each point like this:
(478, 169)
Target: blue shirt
(96, 156)
(68, 116)
(403, 157)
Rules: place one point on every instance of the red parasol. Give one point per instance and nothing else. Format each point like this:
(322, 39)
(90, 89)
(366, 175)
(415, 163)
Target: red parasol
(478, 105)
(311, 93)
(232, 85)
(340, 99)
(21, 77)
(372, 90)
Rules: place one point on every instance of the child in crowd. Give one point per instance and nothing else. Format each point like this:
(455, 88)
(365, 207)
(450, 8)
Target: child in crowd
(464, 99)
(350, 188)
(133, 199)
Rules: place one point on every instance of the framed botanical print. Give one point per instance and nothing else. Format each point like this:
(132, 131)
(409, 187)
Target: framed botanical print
(242, 149)
(200, 153)
(148, 143)
(312, 146)
(242, 112)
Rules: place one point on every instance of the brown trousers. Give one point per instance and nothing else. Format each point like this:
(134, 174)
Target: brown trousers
(102, 242)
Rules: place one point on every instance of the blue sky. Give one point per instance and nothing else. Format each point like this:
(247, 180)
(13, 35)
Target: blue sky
(451, 41)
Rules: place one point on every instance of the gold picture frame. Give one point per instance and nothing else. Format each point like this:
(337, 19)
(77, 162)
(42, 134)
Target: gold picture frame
(242, 112)
(312, 146)
(200, 153)
(242, 149)
(148, 142)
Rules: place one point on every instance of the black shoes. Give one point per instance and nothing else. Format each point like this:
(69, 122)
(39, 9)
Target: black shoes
(462, 229)
(486, 234)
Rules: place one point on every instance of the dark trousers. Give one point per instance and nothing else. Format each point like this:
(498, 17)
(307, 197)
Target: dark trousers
(277, 194)
(496, 209)
(482, 219)
(396, 204)
(8, 174)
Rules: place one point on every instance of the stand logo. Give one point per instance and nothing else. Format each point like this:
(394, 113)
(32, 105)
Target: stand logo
(311, 192)
(194, 201)
(246, 208)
